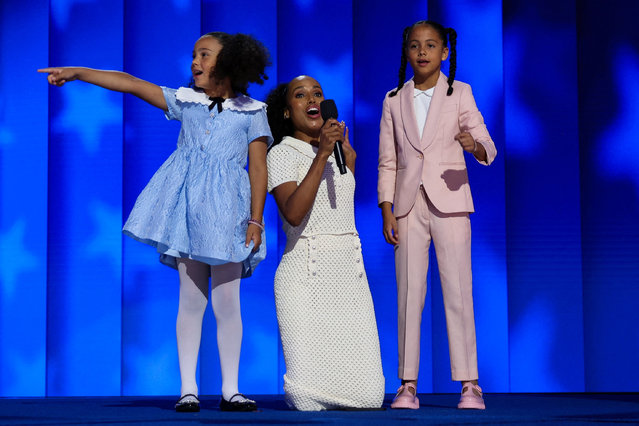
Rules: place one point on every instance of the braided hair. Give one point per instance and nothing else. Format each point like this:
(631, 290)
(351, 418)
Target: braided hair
(452, 61)
(404, 61)
(276, 105)
(448, 36)
(242, 59)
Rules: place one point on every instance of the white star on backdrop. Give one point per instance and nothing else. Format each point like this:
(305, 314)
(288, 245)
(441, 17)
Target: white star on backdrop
(19, 258)
(61, 10)
(106, 242)
(618, 144)
(88, 110)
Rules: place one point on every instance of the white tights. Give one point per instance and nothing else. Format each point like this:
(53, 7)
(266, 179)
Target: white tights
(225, 299)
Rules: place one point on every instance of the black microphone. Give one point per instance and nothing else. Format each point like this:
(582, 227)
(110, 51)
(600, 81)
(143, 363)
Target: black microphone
(329, 110)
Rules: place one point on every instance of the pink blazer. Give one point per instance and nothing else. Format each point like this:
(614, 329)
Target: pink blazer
(437, 159)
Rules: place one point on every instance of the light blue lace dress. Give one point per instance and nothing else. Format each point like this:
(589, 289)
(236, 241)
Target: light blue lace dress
(198, 202)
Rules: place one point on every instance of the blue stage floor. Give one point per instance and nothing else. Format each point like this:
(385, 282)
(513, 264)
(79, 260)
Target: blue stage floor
(564, 409)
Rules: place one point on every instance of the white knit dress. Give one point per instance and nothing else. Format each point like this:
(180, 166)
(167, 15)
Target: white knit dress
(324, 306)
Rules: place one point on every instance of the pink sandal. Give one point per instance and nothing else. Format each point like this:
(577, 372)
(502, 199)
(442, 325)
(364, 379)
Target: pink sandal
(471, 397)
(406, 397)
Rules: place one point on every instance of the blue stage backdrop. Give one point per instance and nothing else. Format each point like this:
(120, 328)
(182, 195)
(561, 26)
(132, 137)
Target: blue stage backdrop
(85, 311)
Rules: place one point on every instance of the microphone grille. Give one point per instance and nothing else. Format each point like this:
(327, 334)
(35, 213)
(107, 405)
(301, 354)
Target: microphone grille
(328, 109)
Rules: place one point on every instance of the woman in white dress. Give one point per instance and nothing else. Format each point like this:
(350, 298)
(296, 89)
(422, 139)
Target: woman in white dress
(324, 306)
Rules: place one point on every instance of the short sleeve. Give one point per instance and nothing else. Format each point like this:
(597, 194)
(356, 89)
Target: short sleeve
(259, 127)
(174, 109)
(282, 165)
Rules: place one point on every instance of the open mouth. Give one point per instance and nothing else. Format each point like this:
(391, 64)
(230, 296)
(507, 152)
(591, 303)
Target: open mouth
(198, 72)
(313, 112)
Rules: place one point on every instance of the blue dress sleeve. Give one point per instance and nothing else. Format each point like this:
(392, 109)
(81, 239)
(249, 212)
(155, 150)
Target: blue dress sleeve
(259, 127)
(174, 108)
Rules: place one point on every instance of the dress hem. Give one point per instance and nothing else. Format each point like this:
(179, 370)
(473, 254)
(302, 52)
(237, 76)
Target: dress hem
(169, 256)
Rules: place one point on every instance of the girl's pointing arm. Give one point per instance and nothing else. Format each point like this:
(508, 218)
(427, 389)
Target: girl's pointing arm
(113, 80)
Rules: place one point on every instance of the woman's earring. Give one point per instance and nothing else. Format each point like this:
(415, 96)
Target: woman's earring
(285, 115)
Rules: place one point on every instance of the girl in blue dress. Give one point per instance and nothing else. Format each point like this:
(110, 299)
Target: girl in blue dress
(202, 210)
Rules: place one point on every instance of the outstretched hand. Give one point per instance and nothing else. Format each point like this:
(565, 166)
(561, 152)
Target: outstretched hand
(59, 75)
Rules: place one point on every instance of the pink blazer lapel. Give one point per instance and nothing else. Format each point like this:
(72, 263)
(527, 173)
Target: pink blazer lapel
(409, 122)
(436, 103)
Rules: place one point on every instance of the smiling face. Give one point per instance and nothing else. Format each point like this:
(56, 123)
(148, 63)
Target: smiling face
(425, 52)
(205, 54)
(303, 99)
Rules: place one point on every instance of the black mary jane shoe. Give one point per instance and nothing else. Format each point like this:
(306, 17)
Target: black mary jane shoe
(188, 403)
(244, 404)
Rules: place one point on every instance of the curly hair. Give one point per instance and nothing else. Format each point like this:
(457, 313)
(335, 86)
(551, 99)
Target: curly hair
(242, 59)
(446, 34)
(276, 105)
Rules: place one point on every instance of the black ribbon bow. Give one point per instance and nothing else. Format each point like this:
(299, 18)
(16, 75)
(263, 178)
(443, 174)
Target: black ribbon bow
(216, 101)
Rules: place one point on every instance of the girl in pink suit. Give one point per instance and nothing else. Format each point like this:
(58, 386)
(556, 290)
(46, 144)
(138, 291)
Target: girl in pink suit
(423, 191)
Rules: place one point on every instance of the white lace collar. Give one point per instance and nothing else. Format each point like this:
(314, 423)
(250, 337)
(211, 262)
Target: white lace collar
(239, 103)
(302, 147)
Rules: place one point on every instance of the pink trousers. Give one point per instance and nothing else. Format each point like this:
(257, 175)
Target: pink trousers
(450, 234)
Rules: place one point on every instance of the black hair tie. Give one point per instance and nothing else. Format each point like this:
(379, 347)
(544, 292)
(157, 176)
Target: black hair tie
(216, 101)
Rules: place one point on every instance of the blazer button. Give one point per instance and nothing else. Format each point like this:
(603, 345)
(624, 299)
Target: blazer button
(420, 156)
